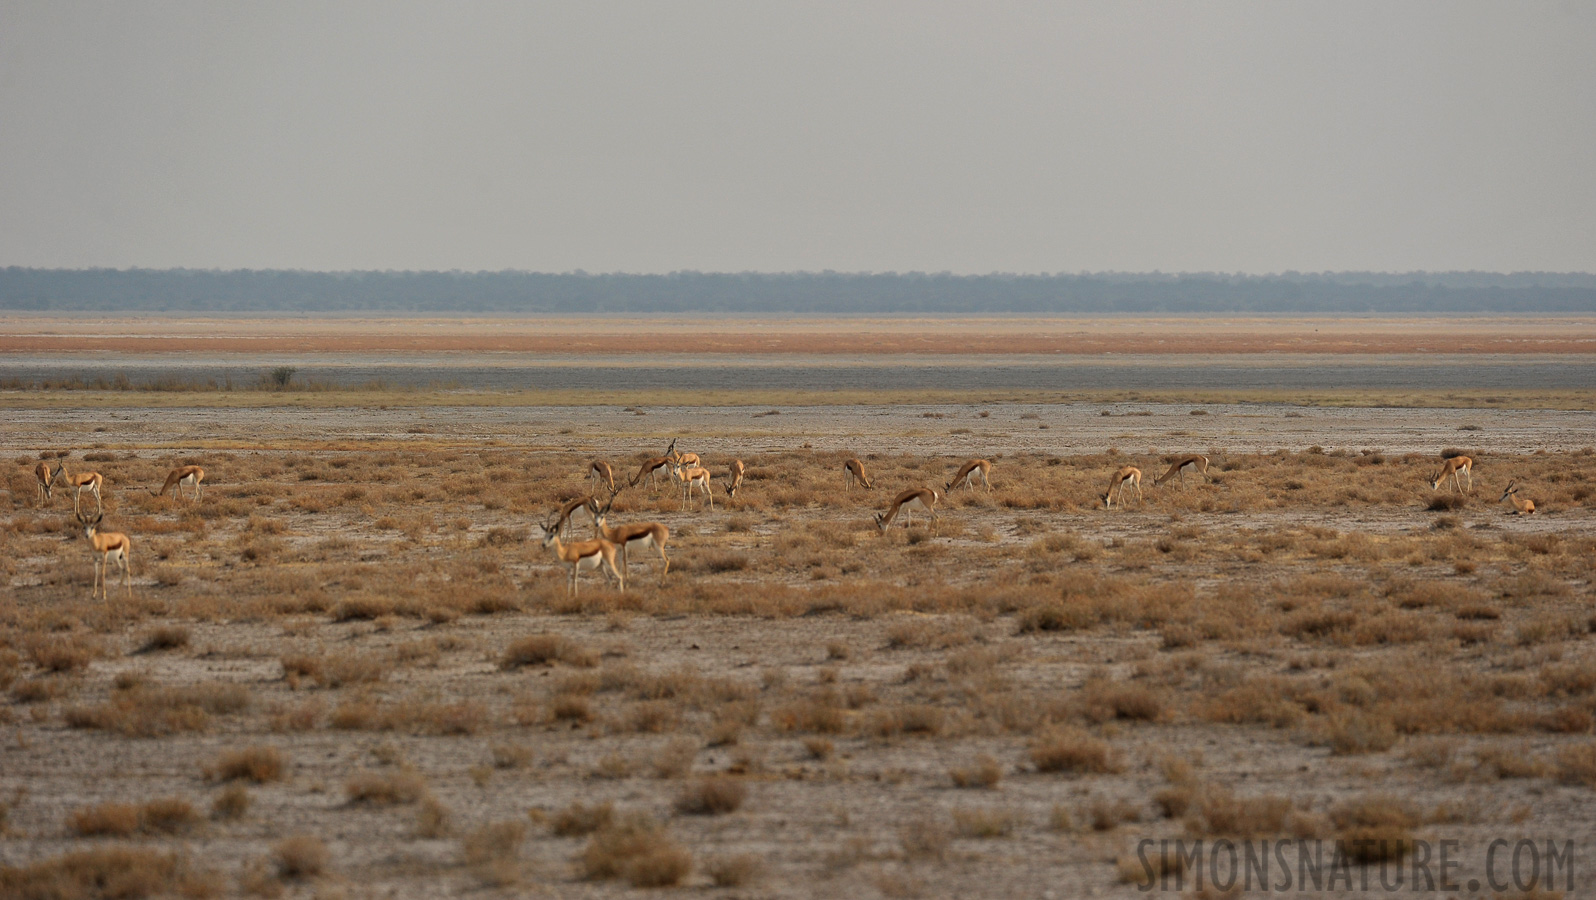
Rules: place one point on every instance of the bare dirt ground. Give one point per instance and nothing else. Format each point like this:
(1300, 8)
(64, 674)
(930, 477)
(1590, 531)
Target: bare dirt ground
(1300, 648)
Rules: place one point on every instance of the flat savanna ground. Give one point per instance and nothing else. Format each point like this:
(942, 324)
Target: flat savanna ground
(86, 333)
(351, 669)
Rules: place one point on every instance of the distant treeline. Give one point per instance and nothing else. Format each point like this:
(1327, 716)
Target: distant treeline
(803, 293)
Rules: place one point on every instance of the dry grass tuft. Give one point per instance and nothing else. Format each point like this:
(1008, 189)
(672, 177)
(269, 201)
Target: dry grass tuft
(985, 822)
(637, 849)
(925, 838)
(231, 803)
(1073, 752)
(63, 653)
(301, 856)
(985, 773)
(545, 650)
(739, 870)
(259, 764)
(1374, 829)
(386, 788)
(153, 711)
(432, 818)
(105, 820)
(165, 637)
(1220, 813)
(714, 795)
(577, 820)
(1576, 764)
(494, 852)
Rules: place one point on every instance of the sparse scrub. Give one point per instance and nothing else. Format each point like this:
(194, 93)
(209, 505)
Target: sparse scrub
(494, 852)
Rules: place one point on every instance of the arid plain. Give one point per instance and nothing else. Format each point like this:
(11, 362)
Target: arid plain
(350, 668)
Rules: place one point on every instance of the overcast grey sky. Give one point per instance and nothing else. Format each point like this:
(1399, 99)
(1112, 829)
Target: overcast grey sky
(855, 136)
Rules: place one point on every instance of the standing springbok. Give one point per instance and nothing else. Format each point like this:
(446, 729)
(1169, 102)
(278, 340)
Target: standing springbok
(735, 474)
(600, 471)
(107, 547)
(578, 555)
(642, 535)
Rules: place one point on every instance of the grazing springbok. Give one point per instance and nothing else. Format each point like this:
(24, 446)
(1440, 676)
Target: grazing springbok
(179, 478)
(1177, 469)
(923, 499)
(1457, 465)
(975, 468)
(584, 502)
(1127, 475)
(649, 470)
(853, 473)
(735, 475)
(47, 479)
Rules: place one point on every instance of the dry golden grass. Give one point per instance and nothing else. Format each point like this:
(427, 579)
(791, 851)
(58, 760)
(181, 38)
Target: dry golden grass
(1307, 609)
(108, 872)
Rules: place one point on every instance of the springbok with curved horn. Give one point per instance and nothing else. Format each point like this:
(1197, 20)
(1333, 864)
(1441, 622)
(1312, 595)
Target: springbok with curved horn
(107, 547)
(1196, 462)
(923, 499)
(644, 536)
(586, 501)
(694, 478)
(179, 478)
(1127, 475)
(85, 481)
(579, 555)
(1524, 507)
(970, 471)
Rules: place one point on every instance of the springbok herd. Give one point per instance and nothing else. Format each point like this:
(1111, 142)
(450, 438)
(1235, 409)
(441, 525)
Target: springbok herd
(685, 470)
